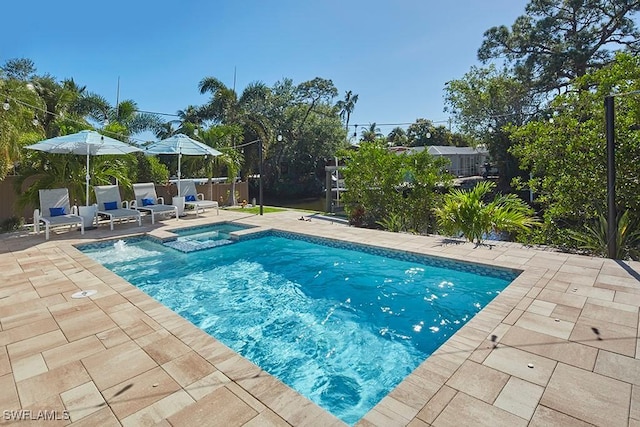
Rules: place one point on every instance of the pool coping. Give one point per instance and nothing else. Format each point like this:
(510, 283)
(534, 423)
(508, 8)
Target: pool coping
(554, 299)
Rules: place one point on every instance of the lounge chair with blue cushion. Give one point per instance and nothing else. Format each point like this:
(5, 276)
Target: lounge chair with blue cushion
(55, 211)
(194, 199)
(110, 204)
(148, 201)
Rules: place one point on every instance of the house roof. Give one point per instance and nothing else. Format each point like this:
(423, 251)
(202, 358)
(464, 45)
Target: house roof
(441, 150)
(446, 150)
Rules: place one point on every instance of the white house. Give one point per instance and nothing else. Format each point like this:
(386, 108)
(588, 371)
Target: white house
(464, 161)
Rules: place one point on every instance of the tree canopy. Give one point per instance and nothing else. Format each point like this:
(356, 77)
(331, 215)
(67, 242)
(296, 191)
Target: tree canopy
(304, 116)
(567, 154)
(559, 40)
(482, 103)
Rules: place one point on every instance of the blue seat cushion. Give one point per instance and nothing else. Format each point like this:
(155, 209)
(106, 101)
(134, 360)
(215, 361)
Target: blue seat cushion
(190, 198)
(57, 211)
(110, 206)
(147, 202)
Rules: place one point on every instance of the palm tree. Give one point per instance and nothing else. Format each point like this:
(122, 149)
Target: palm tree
(191, 114)
(466, 213)
(190, 121)
(121, 120)
(60, 101)
(219, 137)
(56, 108)
(46, 170)
(397, 136)
(227, 108)
(16, 123)
(346, 107)
(371, 133)
(165, 130)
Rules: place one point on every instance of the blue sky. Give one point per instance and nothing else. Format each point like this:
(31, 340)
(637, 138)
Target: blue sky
(396, 55)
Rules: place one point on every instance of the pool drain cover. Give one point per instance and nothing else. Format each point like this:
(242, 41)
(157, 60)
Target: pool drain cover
(84, 294)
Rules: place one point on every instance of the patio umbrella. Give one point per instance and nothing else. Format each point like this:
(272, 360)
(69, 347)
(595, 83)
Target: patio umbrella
(85, 142)
(181, 144)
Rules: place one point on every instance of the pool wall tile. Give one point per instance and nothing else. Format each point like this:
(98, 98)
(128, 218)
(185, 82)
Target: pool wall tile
(402, 255)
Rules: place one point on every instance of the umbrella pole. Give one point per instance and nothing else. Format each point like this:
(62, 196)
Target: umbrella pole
(179, 159)
(87, 179)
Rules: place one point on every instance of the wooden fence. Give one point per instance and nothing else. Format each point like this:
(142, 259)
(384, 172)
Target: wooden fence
(214, 191)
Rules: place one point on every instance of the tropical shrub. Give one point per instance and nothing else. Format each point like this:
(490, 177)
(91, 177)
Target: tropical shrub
(11, 224)
(467, 213)
(593, 238)
(150, 169)
(397, 192)
(46, 170)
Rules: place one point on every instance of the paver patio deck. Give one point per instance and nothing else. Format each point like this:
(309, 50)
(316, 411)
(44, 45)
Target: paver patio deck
(559, 346)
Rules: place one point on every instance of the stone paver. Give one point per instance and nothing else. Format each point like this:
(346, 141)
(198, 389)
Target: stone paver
(606, 335)
(463, 408)
(590, 397)
(28, 367)
(117, 364)
(519, 397)
(219, 408)
(545, 417)
(437, 404)
(188, 368)
(635, 403)
(51, 383)
(478, 381)
(617, 366)
(522, 364)
(82, 401)
(551, 347)
(559, 346)
(135, 394)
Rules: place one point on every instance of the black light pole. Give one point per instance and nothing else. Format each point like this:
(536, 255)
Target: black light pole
(259, 141)
(260, 181)
(609, 118)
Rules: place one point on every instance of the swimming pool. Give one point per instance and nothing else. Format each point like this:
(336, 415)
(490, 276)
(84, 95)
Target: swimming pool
(341, 324)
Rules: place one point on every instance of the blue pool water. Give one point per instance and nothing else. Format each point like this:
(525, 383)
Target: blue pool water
(340, 326)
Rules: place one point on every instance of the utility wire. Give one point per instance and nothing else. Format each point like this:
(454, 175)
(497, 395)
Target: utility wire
(44, 110)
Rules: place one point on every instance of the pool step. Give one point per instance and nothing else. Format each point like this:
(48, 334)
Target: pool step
(187, 245)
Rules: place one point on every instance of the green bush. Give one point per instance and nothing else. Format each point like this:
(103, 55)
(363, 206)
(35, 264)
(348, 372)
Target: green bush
(11, 224)
(593, 238)
(395, 191)
(467, 213)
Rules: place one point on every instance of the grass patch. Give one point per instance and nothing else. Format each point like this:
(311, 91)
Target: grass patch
(256, 210)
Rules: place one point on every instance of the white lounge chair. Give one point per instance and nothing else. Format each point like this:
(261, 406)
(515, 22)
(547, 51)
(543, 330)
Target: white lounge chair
(110, 204)
(148, 201)
(194, 199)
(55, 211)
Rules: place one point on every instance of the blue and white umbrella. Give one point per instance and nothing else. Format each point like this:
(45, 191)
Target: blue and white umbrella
(181, 144)
(85, 142)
